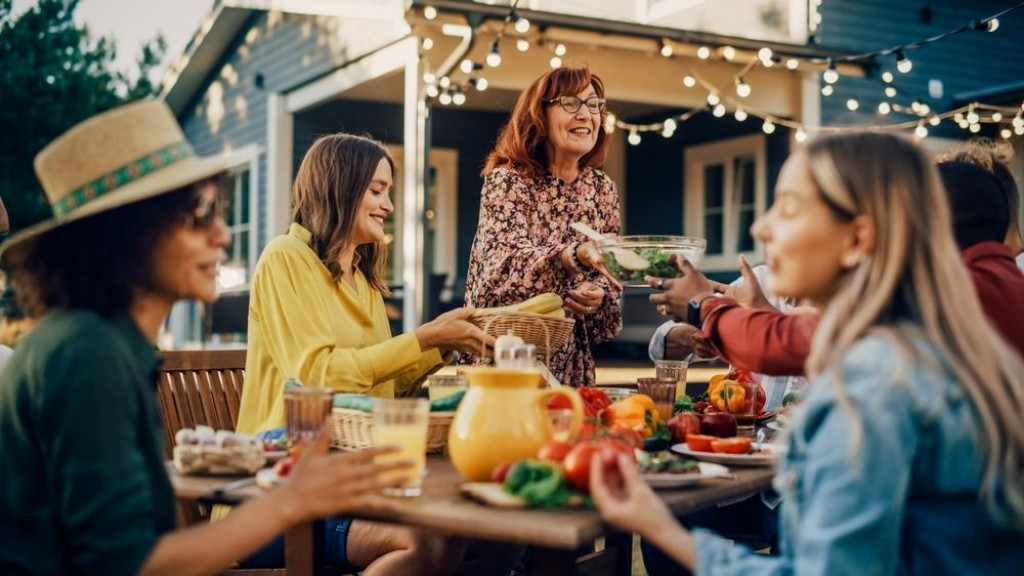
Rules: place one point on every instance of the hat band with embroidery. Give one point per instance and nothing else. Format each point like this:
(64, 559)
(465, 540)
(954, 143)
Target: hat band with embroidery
(126, 174)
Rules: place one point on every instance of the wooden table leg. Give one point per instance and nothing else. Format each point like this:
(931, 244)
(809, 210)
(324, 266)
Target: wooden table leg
(304, 549)
(622, 543)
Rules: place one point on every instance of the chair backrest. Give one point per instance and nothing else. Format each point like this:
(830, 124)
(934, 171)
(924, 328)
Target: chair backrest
(202, 387)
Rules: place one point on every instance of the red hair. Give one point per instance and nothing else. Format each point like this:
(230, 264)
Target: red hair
(523, 141)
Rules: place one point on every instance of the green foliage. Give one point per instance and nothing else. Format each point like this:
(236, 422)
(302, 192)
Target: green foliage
(660, 266)
(53, 74)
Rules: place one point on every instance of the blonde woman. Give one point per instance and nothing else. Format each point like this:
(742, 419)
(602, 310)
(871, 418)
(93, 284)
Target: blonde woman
(906, 457)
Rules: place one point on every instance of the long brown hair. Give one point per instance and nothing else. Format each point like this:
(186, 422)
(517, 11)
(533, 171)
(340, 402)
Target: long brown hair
(333, 177)
(913, 283)
(523, 141)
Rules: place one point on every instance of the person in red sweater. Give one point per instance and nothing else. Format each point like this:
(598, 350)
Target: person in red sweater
(981, 218)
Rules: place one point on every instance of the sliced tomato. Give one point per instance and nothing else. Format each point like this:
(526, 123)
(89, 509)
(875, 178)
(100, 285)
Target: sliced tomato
(699, 442)
(737, 445)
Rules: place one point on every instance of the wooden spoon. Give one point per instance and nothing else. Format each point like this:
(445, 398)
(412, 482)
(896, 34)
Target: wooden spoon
(626, 258)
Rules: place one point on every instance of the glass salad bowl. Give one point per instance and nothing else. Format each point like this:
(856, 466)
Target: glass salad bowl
(630, 258)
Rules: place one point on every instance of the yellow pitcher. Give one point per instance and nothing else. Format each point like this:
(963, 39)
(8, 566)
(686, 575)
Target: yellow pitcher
(503, 419)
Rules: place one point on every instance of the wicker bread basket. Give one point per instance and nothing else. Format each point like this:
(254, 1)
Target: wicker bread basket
(547, 333)
(353, 429)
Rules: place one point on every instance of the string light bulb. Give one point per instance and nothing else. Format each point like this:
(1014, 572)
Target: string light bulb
(560, 49)
(800, 135)
(634, 137)
(852, 104)
(740, 114)
(445, 82)
(718, 111)
(1005, 133)
(728, 52)
(830, 75)
(668, 128)
(921, 131)
(768, 127)
(432, 91)
(972, 117)
(555, 62)
(742, 88)
(934, 120)
(975, 128)
(522, 44)
(827, 90)
(713, 99)
(427, 43)
(689, 81)
(666, 48)
(522, 25)
(429, 77)
(997, 117)
(609, 123)
(479, 83)
(792, 63)
(890, 91)
(494, 57)
(884, 108)
(1018, 121)
(887, 77)
(990, 25)
(903, 64)
(446, 98)
(466, 66)
(765, 54)
(703, 52)
(459, 98)
(429, 12)
(1019, 131)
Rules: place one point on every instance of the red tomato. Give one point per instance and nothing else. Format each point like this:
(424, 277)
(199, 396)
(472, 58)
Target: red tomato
(284, 466)
(500, 472)
(577, 462)
(699, 442)
(559, 402)
(554, 451)
(737, 445)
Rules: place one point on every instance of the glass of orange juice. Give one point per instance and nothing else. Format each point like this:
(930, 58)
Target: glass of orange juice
(402, 422)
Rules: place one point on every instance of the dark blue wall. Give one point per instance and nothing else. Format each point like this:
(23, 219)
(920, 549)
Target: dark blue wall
(964, 63)
(471, 133)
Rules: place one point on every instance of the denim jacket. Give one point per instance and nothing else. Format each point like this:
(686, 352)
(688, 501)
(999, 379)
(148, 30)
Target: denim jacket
(903, 500)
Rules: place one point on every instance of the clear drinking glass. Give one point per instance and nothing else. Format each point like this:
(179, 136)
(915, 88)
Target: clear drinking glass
(402, 422)
(444, 385)
(305, 410)
(673, 370)
(663, 392)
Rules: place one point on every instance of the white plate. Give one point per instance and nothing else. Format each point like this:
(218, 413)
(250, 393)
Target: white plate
(267, 479)
(775, 452)
(668, 480)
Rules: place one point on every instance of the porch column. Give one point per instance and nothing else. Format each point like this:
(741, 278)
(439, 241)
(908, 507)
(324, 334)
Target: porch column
(416, 147)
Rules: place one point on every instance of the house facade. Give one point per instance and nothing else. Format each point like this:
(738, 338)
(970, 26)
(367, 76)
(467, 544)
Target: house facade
(262, 79)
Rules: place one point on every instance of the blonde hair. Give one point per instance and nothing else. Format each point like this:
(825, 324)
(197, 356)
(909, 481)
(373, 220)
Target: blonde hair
(907, 285)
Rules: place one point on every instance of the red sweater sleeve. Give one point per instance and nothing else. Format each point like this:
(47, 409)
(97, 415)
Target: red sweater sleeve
(766, 342)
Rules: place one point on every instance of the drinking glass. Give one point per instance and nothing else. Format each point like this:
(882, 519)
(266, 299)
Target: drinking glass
(305, 410)
(663, 392)
(444, 385)
(673, 370)
(402, 422)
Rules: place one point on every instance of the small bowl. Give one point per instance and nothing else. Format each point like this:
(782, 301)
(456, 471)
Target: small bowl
(656, 250)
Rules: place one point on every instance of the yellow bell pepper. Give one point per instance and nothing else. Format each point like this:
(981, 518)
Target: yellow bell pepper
(636, 412)
(727, 395)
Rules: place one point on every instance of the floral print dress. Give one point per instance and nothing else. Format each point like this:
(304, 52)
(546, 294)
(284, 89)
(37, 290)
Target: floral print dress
(523, 228)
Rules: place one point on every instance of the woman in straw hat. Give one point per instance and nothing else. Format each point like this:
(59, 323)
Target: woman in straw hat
(906, 454)
(138, 225)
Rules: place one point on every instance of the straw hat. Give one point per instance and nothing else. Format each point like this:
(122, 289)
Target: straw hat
(121, 156)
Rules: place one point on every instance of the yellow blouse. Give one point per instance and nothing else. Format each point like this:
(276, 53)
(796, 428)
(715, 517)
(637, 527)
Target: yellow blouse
(304, 325)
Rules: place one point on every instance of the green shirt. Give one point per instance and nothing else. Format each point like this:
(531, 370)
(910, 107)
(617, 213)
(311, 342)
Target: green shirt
(83, 489)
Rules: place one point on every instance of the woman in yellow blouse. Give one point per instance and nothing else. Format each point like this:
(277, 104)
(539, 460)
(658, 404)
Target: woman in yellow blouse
(317, 314)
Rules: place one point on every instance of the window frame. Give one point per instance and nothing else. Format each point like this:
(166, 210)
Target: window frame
(725, 152)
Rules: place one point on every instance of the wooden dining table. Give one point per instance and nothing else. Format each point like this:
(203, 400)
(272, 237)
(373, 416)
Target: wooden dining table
(562, 542)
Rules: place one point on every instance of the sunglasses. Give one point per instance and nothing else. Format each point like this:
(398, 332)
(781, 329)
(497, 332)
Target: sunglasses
(208, 210)
(571, 104)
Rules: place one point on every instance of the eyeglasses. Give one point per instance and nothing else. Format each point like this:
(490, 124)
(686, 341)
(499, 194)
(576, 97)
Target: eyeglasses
(208, 209)
(571, 104)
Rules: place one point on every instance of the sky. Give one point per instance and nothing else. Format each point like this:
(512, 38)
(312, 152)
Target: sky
(134, 22)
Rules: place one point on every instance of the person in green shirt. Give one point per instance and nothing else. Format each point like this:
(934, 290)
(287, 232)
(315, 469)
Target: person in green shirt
(138, 225)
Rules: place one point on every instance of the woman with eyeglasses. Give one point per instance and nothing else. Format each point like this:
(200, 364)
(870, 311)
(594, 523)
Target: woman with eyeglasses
(542, 176)
(138, 225)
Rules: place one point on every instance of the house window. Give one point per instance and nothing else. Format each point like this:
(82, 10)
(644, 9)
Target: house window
(725, 193)
(239, 220)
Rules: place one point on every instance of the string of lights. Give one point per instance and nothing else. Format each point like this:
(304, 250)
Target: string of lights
(719, 100)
